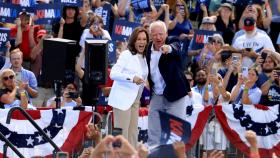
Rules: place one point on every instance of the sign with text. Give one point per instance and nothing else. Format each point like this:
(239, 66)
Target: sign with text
(9, 12)
(104, 12)
(47, 13)
(4, 37)
(200, 38)
(102, 100)
(141, 5)
(174, 129)
(77, 3)
(122, 30)
(158, 3)
(112, 56)
(23, 3)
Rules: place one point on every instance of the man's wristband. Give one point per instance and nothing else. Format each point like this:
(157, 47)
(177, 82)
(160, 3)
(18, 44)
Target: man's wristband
(246, 90)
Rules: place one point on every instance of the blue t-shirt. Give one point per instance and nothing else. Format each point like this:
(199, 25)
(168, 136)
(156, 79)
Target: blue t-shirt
(262, 79)
(180, 28)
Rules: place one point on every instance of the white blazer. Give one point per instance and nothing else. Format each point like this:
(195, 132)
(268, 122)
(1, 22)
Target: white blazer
(124, 92)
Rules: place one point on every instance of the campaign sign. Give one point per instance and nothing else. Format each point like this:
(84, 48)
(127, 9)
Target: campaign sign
(9, 12)
(200, 38)
(47, 13)
(112, 57)
(77, 3)
(141, 5)
(173, 129)
(123, 29)
(4, 37)
(104, 12)
(102, 100)
(23, 3)
(158, 3)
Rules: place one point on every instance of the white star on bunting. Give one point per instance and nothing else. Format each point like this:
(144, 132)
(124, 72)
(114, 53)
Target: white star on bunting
(30, 141)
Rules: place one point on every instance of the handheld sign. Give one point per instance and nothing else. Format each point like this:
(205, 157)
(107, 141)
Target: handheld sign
(112, 57)
(141, 5)
(23, 3)
(77, 3)
(158, 3)
(9, 12)
(104, 12)
(47, 13)
(173, 129)
(4, 37)
(122, 30)
(200, 38)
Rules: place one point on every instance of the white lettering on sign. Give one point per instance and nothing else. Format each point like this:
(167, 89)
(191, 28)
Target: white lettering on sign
(69, 1)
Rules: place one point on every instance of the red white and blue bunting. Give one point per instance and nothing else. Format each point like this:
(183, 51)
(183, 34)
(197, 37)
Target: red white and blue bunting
(65, 127)
(265, 121)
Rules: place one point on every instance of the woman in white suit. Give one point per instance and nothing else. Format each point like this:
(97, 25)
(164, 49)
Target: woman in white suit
(129, 75)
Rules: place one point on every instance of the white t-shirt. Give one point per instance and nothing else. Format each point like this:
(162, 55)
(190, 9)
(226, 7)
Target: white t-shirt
(159, 83)
(256, 42)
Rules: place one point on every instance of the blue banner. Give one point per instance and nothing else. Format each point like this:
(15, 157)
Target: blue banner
(47, 13)
(112, 57)
(9, 12)
(158, 3)
(102, 100)
(77, 3)
(4, 37)
(23, 3)
(141, 5)
(200, 38)
(174, 129)
(122, 29)
(104, 12)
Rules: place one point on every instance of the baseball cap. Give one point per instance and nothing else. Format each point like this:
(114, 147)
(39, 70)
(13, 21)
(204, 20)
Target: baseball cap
(249, 24)
(209, 20)
(41, 33)
(228, 5)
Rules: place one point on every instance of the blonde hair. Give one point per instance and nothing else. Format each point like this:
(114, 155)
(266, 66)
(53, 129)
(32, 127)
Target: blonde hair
(2, 74)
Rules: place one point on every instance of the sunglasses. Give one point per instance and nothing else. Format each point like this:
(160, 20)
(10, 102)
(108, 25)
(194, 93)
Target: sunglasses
(180, 6)
(8, 77)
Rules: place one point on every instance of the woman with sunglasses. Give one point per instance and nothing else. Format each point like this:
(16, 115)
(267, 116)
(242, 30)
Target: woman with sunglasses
(210, 50)
(10, 94)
